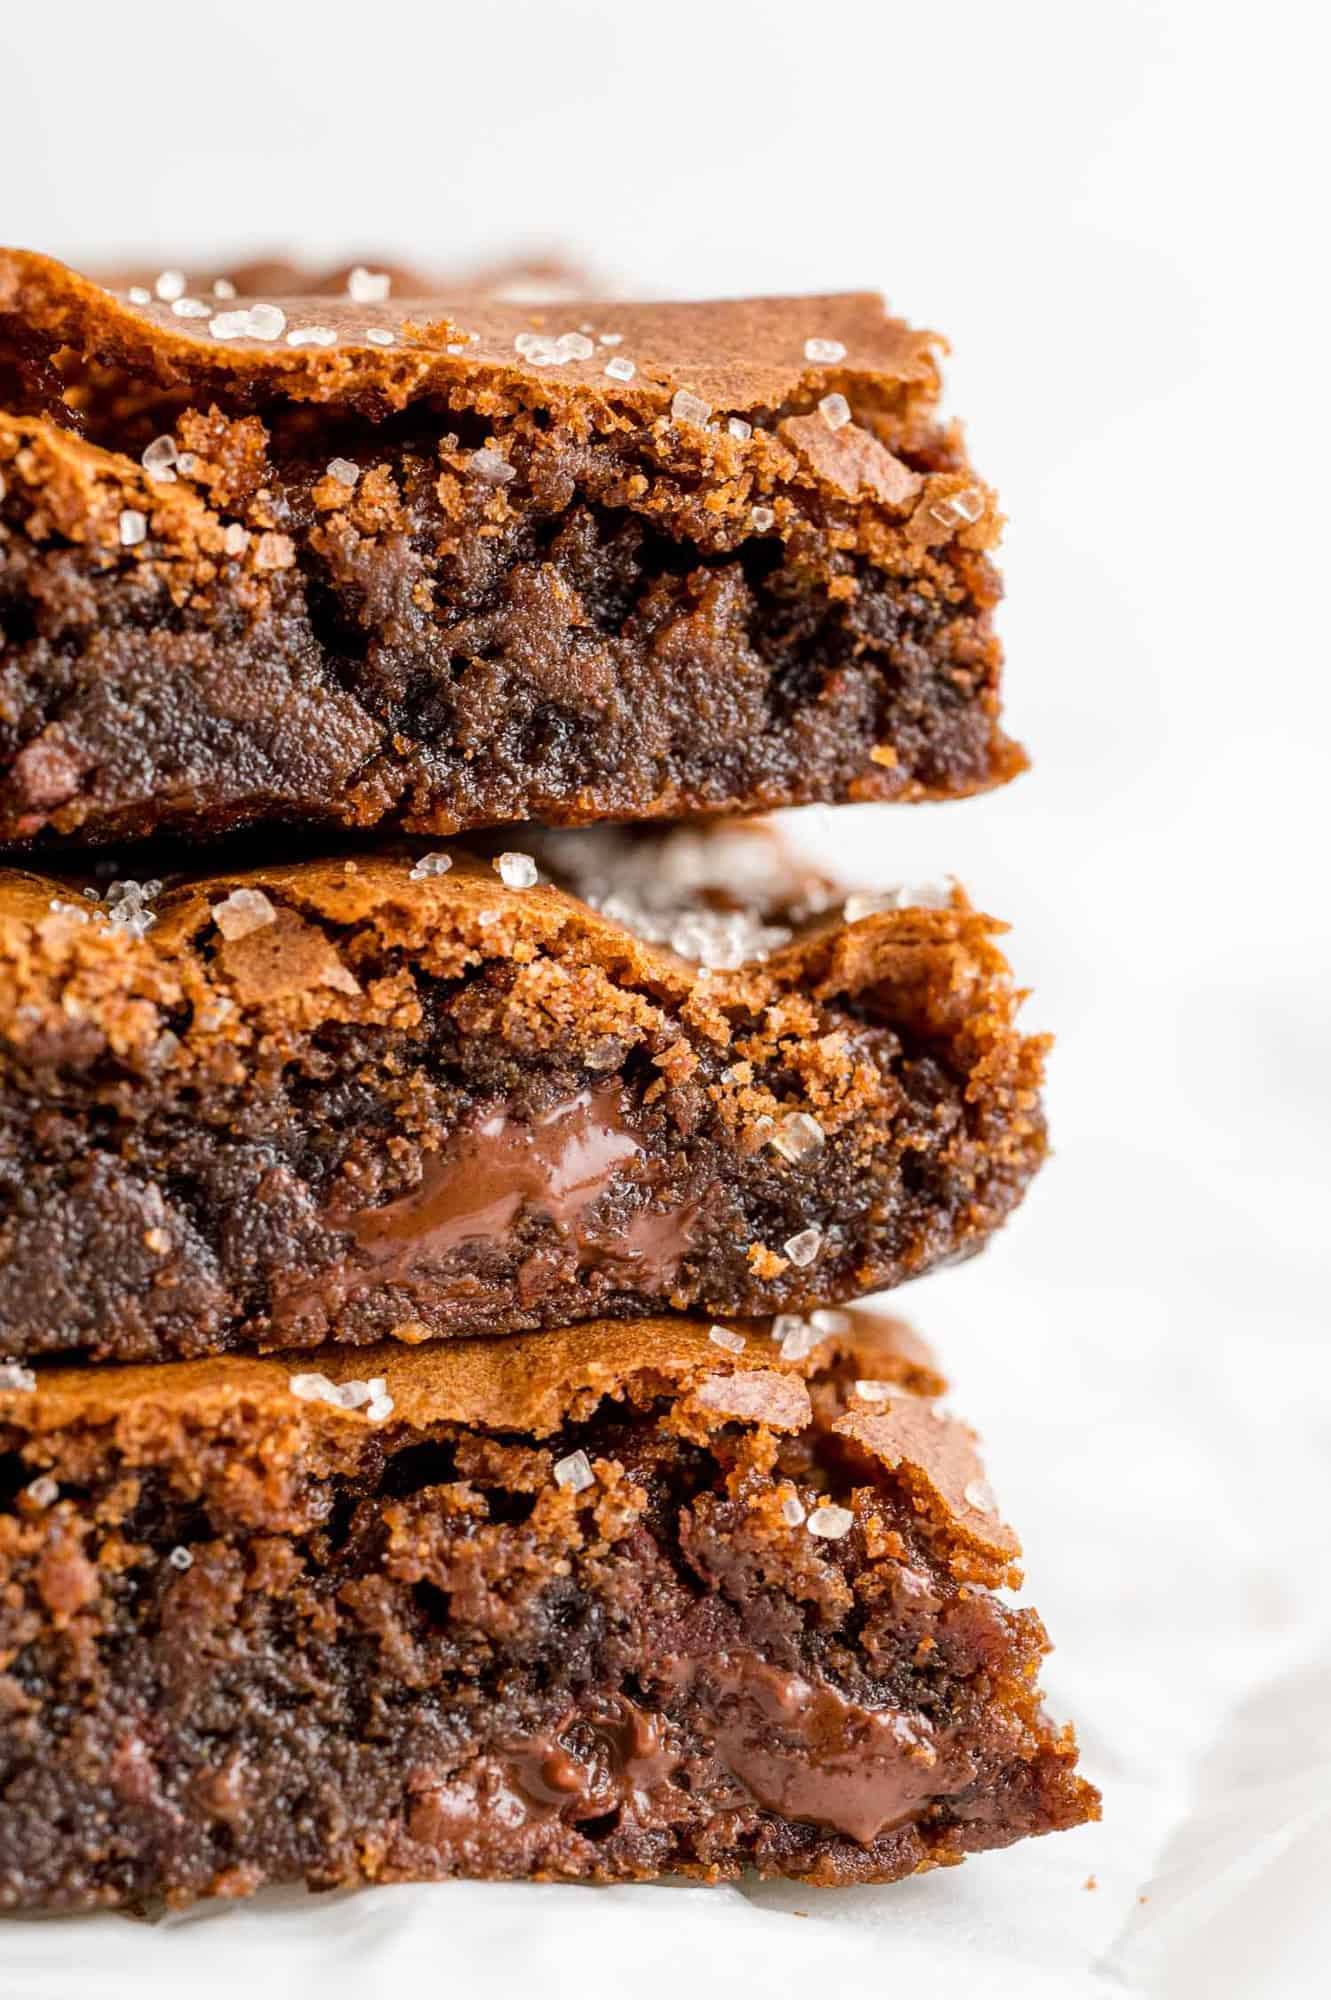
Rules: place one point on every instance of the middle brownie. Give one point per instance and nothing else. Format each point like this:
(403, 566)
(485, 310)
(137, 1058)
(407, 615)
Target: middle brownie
(376, 1096)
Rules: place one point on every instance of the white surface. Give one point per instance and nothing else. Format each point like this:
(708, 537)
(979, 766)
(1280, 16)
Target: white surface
(1109, 210)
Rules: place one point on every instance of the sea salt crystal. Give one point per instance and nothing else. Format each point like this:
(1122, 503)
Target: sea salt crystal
(380, 336)
(133, 527)
(181, 1559)
(431, 864)
(243, 911)
(170, 285)
(800, 1340)
(873, 1392)
(343, 471)
(611, 339)
(544, 351)
(223, 288)
(739, 429)
(761, 519)
(13, 1375)
(43, 1491)
(792, 1512)
(824, 350)
(368, 288)
(574, 1473)
(516, 871)
(379, 1410)
(978, 1493)
(267, 322)
(190, 309)
(314, 1389)
(959, 508)
(186, 464)
(490, 466)
(803, 1249)
(724, 1336)
(127, 906)
(139, 295)
(828, 1319)
(230, 325)
(235, 539)
(797, 1137)
(159, 459)
(576, 347)
(273, 551)
(831, 1523)
(312, 336)
(621, 369)
(835, 412)
(686, 408)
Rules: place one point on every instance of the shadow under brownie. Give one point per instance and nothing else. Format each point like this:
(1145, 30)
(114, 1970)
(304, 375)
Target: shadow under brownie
(371, 1096)
(340, 562)
(600, 1603)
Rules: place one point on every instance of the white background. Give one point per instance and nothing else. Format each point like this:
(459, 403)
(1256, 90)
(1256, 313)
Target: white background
(1117, 214)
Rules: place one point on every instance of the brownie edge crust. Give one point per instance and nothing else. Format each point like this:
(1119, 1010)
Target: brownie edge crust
(564, 1605)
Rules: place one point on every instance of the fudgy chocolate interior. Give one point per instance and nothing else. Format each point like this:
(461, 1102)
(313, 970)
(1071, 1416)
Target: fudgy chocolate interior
(447, 1176)
(419, 1655)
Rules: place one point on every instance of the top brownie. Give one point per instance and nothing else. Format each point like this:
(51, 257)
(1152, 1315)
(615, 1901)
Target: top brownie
(377, 560)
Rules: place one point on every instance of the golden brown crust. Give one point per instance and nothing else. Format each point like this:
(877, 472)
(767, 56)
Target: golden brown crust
(532, 1385)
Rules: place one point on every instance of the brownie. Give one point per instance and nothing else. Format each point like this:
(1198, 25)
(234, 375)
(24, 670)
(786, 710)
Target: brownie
(347, 1099)
(451, 564)
(592, 1604)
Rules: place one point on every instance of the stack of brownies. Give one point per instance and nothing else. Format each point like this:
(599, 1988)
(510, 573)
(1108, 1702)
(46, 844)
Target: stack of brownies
(433, 1437)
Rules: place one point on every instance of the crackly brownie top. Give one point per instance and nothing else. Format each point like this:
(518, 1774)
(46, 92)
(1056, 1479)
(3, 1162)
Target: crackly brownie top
(737, 355)
(870, 1382)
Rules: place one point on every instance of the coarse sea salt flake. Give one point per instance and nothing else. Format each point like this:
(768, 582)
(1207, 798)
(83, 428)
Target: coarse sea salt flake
(800, 1342)
(824, 350)
(958, 508)
(311, 336)
(170, 285)
(491, 466)
(266, 322)
(761, 519)
(314, 1389)
(13, 1375)
(873, 1392)
(797, 1137)
(803, 1248)
(368, 288)
(792, 1512)
(343, 471)
(686, 408)
(516, 871)
(724, 1336)
(829, 1319)
(133, 527)
(43, 1491)
(835, 412)
(574, 1473)
(380, 336)
(978, 1493)
(620, 368)
(139, 295)
(223, 288)
(159, 458)
(740, 429)
(190, 308)
(831, 1523)
(243, 911)
(437, 863)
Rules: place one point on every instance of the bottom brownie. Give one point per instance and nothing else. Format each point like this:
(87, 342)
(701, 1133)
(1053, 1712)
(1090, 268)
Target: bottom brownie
(603, 1603)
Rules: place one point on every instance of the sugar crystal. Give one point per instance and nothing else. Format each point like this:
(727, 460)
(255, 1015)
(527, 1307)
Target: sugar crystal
(491, 466)
(139, 295)
(620, 368)
(437, 863)
(343, 471)
(159, 459)
(311, 336)
(133, 527)
(190, 309)
(792, 1513)
(739, 429)
(798, 1137)
(43, 1491)
(824, 350)
(686, 408)
(835, 412)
